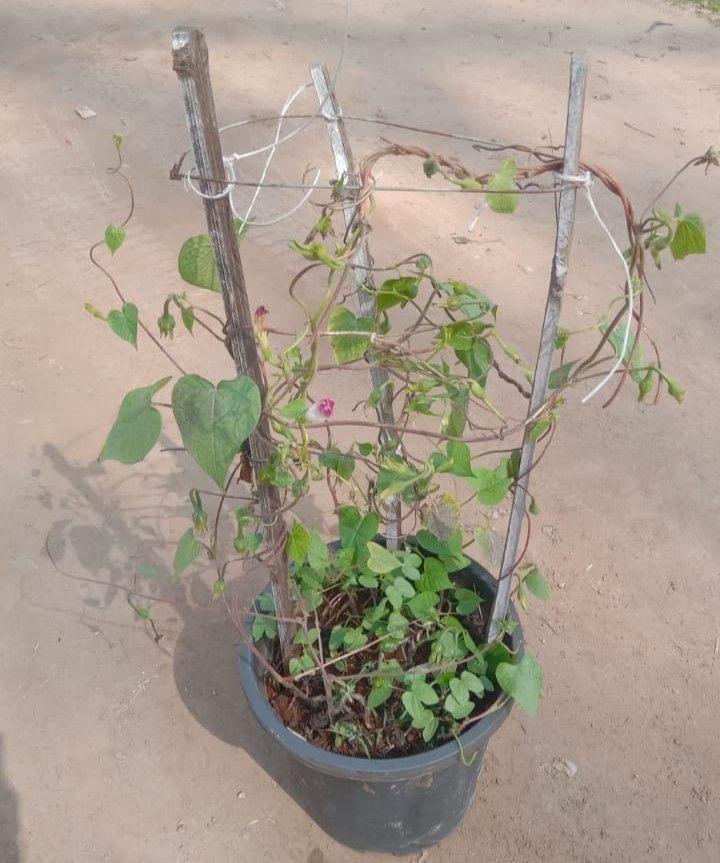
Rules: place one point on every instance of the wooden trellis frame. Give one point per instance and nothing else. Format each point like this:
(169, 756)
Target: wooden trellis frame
(190, 61)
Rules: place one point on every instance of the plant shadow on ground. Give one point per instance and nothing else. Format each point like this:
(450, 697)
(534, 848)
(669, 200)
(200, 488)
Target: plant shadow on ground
(9, 818)
(103, 534)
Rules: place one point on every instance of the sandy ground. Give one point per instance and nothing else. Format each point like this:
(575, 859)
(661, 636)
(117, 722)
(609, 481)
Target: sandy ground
(115, 749)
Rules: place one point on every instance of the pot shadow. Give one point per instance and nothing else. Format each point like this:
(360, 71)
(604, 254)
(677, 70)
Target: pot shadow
(106, 530)
(205, 666)
(9, 818)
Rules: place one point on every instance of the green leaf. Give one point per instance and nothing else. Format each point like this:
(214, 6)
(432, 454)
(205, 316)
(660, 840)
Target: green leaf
(379, 693)
(114, 237)
(689, 237)
(146, 571)
(424, 605)
(467, 600)
(337, 638)
(537, 584)
(316, 251)
(477, 360)
(188, 317)
(381, 560)
(123, 323)
(538, 429)
(398, 590)
(299, 665)
(295, 409)
(457, 709)
(349, 347)
(424, 693)
(214, 422)
(559, 376)
(397, 625)
(470, 184)
(187, 551)
(430, 542)
(457, 461)
(298, 542)
(472, 682)
(455, 416)
(264, 627)
(412, 704)
(474, 304)
(367, 580)
(357, 530)
(434, 577)
(500, 183)
(397, 477)
(395, 292)
(420, 715)
(334, 460)
(522, 681)
(646, 384)
(136, 428)
(196, 261)
(490, 486)
(430, 728)
(318, 555)
(459, 690)
(674, 389)
(458, 335)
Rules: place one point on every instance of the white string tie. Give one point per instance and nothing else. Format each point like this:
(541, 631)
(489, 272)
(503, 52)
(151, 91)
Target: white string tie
(585, 180)
(188, 184)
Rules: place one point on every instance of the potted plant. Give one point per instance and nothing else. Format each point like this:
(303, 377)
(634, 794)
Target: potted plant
(369, 658)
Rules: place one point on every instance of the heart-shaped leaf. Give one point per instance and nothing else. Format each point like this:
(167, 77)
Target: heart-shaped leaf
(196, 261)
(353, 335)
(689, 237)
(136, 428)
(559, 376)
(396, 291)
(123, 322)
(491, 486)
(357, 530)
(298, 542)
(215, 421)
(522, 681)
(381, 560)
(537, 584)
(114, 237)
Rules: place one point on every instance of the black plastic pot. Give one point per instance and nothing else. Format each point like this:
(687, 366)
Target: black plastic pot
(395, 805)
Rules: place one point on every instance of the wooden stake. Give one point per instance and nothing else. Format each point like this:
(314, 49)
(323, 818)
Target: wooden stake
(558, 276)
(190, 61)
(362, 261)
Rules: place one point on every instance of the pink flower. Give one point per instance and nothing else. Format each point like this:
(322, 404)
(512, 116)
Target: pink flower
(321, 411)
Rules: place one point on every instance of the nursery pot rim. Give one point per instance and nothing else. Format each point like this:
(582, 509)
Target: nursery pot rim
(378, 769)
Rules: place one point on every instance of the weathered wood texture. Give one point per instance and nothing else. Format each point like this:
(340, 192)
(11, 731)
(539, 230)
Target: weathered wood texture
(362, 261)
(190, 61)
(558, 276)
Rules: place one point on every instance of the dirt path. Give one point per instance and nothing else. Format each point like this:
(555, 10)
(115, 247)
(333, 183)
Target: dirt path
(116, 750)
